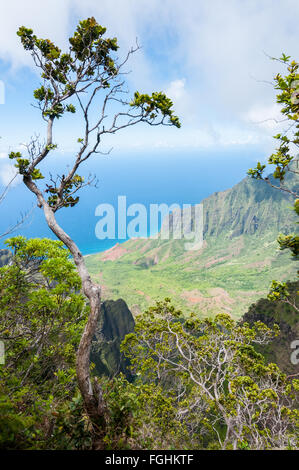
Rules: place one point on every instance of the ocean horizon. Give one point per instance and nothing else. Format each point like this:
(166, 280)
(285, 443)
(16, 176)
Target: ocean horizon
(156, 178)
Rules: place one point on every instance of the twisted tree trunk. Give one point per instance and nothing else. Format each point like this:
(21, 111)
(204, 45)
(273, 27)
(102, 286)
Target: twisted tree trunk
(91, 393)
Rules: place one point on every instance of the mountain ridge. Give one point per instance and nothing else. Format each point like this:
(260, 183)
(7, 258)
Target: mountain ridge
(234, 268)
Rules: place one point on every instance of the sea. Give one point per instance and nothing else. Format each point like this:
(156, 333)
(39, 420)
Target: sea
(168, 176)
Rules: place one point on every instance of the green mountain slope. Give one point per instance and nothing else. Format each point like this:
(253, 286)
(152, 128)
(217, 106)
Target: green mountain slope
(234, 267)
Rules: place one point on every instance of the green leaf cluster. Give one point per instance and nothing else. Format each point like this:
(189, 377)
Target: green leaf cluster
(23, 166)
(154, 104)
(64, 197)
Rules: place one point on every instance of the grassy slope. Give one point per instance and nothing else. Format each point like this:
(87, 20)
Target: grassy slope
(232, 270)
(234, 280)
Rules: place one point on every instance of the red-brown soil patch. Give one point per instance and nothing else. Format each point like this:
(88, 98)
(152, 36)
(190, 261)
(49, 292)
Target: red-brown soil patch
(113, 253)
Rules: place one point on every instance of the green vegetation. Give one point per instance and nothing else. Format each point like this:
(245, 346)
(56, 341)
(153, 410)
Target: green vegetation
(285, 316)
(42, 317)
(218, 386)
(284, 161)
(195, 377)
(235, 267)
(86, 79)
(190, 378)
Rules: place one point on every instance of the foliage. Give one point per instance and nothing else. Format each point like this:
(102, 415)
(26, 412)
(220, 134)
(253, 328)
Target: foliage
(142, 416)
(197, 383)
(282, 159)
(283, 312)
(72, 81)
(279, 291)
(72, 430)
(87, 77)
(42, 316)
(224, 392)
(290, 242)
(288, 97)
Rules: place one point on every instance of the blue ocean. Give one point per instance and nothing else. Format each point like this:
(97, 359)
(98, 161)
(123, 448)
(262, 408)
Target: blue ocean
(169, 177)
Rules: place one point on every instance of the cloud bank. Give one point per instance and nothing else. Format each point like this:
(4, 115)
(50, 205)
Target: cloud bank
(210, 57)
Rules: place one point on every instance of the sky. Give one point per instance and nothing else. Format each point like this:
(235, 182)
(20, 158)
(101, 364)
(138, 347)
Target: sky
(211, 58)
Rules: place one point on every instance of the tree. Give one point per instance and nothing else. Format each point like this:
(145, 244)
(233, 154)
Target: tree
(284, 159)
(42, 317)
(86, 75)
(221, 389)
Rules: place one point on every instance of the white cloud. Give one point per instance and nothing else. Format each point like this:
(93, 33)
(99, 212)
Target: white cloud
(46, 20)
(3, 155)
(176, 90)
(265, 117)
(182, 100)
(213, 51)
(196, 137)
(8, 175)
(224, 47)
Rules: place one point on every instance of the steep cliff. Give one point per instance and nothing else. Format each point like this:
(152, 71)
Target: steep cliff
(5, 256)
(115, 323)
(287, 318)
(233, 268)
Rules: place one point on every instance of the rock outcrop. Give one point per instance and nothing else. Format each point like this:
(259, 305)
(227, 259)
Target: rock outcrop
(286, 317)
(5, 256)
(115, 323)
